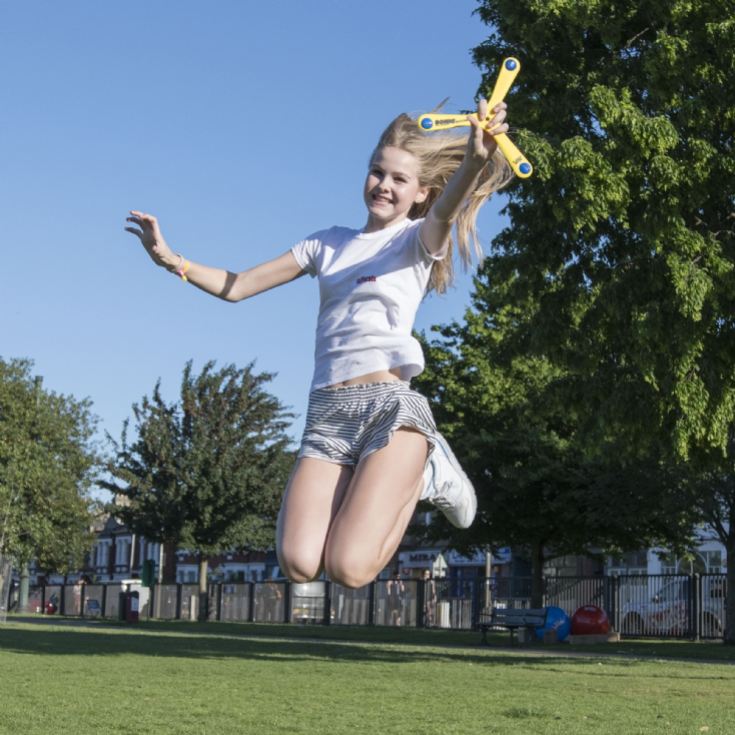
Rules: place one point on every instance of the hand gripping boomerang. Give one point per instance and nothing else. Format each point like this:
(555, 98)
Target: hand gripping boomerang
(508, 72)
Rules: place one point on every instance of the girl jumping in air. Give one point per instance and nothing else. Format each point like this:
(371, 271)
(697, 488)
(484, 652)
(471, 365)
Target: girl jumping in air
(370, 448)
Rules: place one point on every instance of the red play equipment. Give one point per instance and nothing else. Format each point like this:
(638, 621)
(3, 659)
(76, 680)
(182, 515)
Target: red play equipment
(590, 620)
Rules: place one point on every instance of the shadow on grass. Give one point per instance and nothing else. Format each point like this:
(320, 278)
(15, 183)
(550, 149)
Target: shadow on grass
(188, 642)
(275, 642)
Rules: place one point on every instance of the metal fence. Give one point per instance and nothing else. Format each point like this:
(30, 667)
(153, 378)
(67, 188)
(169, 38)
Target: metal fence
(649, 605)
(661, 606)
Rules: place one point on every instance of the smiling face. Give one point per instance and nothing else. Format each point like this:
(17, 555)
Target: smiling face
(391, 187)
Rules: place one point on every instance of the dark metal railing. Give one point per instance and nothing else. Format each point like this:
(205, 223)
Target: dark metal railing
(661, 606)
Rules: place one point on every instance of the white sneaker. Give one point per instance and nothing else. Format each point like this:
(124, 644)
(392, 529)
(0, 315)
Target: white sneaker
(447, 487)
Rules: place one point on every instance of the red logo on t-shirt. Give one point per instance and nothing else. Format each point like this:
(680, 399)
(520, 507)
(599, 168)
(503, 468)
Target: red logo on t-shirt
(366, 279)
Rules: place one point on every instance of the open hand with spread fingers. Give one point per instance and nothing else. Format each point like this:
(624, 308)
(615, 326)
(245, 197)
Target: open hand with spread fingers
(150, 235)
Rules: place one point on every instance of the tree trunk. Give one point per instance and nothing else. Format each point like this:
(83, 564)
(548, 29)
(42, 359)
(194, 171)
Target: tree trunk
(203, 592)
(24, 590)
(169, 562)
(537, 574)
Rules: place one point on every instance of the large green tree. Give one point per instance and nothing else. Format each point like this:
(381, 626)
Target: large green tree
(206, 472)
(622, 243)
(624, 236)
(539, 490)
(47, 464)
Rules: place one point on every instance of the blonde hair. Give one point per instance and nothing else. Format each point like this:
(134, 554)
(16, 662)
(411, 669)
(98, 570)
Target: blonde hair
(439, 155)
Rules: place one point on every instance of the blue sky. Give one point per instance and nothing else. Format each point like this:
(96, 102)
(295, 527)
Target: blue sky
(243, 126)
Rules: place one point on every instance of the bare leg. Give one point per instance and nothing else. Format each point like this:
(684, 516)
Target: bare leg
(376, 510)
(313, 496)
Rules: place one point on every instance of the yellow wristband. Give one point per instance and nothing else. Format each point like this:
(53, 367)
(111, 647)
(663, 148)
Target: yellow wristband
(182, 268)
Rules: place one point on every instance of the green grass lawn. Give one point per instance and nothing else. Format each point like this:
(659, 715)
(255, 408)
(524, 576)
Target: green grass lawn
(60, 677)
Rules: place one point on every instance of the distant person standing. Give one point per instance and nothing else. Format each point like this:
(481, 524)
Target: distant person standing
(272, 598)
(430, 598)
(396, 591)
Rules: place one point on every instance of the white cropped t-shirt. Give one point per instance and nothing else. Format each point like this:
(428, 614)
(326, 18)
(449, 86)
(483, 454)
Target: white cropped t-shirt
(370, 287)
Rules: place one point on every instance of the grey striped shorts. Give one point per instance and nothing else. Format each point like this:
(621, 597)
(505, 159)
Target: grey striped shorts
(347, 423)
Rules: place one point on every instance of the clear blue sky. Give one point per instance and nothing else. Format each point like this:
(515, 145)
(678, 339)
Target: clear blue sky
(243, 126)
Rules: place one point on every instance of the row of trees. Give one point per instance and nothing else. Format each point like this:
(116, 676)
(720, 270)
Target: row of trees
(204, 472)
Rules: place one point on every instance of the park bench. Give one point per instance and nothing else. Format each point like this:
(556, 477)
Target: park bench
(511, 618)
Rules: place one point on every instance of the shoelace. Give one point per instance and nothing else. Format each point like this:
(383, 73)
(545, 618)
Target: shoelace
(441, 499)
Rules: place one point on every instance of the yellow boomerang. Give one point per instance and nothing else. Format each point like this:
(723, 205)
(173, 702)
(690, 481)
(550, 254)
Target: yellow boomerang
(439, 121)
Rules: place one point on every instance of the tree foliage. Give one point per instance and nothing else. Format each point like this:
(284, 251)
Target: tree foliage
(599, 352)
(620, 250)
(538, 488)
(47, 463)
(206, 472)
(625, 236)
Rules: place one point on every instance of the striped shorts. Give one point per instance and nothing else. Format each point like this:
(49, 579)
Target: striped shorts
(347, 423)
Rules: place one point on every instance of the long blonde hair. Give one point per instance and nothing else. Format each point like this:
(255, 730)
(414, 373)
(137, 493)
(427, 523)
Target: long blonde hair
(439, 155)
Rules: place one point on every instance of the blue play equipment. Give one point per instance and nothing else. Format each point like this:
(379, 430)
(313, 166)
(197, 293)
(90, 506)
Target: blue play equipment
(558, 620)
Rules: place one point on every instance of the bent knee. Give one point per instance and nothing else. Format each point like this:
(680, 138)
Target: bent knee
(353, 574)
(349, 579)
(299, 567)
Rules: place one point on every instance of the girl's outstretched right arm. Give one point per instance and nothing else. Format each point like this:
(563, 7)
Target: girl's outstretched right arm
(216, 281)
